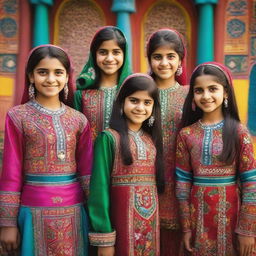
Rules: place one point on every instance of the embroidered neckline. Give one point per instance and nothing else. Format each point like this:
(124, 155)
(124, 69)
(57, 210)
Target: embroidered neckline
(108, 88)
(140, 144)
(211, 126)
(133, 133)
(47, 111)
(170, 89)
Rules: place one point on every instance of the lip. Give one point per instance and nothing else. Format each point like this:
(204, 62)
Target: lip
(139, 115)
(207, 103)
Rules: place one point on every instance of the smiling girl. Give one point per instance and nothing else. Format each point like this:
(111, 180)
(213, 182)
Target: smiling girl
(167, 56)
(214, 161)
(101, 77)
(127, 172)
(46, 163)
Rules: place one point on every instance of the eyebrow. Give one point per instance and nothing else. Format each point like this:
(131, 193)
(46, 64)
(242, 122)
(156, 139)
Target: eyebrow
(131, 97)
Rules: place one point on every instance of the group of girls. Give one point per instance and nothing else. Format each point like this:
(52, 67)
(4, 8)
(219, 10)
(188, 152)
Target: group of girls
(159, 167)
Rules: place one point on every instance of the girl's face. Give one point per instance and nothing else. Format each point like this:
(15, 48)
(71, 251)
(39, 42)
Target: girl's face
(209, 95)
(109, 57)
(49, 77)
(138, 107)
(164, 62)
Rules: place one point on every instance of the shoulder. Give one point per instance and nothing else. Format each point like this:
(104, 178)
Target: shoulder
(107, 137)
(188, 130)
(18, 114)
(77, 115)
(111, 134)
(19, 111)
(243, 134)
(90, 92)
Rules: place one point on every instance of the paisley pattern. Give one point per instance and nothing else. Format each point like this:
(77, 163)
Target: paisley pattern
(37, 182)
(208, 192)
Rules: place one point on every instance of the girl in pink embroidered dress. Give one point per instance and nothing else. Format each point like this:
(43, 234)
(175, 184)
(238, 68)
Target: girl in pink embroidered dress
(46, 163)
(214, 150)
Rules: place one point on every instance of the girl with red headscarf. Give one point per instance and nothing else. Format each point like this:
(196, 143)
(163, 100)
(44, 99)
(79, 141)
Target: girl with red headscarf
(214, 152)
(46, 163)
(167, 56)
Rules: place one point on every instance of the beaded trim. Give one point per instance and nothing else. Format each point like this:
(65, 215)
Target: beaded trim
(141, 147)
(60, 134)
(109, 95)
(163, 95)
(207, 141)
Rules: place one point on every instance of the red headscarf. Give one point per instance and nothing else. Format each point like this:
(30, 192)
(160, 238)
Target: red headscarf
(182, 79)
(69, 101)
(221, 67)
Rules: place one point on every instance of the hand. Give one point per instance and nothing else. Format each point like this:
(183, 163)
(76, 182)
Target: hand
(9, 238)
(246, 245)
(106, 251)
(187, 240)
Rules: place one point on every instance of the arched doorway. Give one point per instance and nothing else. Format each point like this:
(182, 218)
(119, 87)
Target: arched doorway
(175, 16)
(75, 23)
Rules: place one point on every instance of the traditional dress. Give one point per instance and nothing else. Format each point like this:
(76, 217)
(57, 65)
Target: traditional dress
(212, 204)
(46, 167)
(123, 201)
(96, 103)
(171, 100)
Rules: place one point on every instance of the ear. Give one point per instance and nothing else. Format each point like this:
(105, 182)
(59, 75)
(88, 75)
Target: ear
(31, 78)
(67, 78)
(225, 94)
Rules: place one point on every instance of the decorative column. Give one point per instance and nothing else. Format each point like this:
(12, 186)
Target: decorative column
(41, 23)
(205, 45)
(123, 8)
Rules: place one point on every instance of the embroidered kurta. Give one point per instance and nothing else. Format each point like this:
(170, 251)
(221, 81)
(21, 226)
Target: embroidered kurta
(208, 191)
(171, 100)
(96, 105)
(46, 168)
(123, 203)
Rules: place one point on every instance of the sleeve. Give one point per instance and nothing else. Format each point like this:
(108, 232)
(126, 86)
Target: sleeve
(247, 171)
(84, 157)
(11, 177)
(99, 199)
(78, 100)
(183, 182)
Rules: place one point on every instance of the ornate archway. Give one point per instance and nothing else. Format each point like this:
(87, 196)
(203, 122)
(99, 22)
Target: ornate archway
(76, 22)
(175, 16)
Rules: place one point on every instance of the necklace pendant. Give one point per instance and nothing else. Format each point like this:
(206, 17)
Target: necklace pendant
(61, 155)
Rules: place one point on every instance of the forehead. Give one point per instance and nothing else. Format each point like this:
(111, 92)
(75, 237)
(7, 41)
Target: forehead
(164, 49)
(109, 44)
(142, 95)
(50, 63)
(206, 80)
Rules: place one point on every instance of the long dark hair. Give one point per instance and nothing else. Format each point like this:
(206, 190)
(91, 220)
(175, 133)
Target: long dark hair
(50, 51)
(118, 122)
(168, 37)
(230, 113)
(105, 34)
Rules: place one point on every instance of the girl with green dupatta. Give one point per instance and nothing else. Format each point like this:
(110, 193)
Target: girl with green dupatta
(101, 77)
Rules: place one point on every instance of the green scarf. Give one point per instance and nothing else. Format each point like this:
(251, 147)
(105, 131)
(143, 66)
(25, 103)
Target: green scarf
(88, 72)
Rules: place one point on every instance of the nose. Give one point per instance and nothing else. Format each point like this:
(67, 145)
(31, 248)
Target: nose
(110, 57)
(206, 94)
(140, 106)
(50, 78)
(164, 61)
